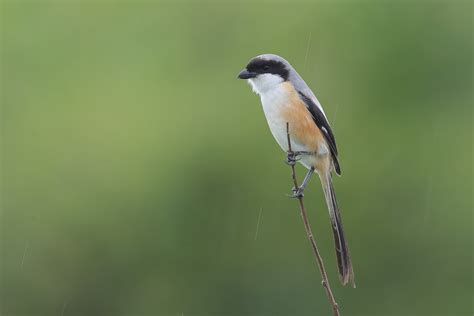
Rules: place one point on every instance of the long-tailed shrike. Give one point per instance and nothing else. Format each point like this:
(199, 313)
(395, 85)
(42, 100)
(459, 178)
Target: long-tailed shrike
(287, 100)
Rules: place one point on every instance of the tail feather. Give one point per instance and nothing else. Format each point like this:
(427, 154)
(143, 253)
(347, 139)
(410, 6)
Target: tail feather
(346, 274)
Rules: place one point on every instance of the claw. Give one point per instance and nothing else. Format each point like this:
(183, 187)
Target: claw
(290, 162)
(291, 159)
(297, 193)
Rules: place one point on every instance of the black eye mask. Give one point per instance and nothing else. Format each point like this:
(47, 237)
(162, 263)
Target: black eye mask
(262, 66)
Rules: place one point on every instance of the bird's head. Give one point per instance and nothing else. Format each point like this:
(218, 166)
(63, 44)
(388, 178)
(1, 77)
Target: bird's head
(265, 72)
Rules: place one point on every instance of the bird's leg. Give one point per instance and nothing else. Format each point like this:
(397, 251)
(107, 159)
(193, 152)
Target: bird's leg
(298, 192)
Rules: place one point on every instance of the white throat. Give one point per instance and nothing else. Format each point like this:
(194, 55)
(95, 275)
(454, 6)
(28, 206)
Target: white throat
(264, 83)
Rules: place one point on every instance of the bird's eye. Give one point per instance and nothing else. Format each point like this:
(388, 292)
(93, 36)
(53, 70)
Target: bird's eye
(266, 67)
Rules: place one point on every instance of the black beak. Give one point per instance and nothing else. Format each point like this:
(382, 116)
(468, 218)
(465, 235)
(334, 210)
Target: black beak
(245, 74)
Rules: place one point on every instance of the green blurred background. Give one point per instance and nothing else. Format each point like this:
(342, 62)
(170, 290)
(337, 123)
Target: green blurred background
(139, 176)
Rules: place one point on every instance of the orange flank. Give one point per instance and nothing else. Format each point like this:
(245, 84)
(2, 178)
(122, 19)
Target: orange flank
(302, 126)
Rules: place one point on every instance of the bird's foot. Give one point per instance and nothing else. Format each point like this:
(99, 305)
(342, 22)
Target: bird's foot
(296, 193)
(291, 158)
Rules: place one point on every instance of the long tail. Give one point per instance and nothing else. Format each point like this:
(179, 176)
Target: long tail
(344, 264)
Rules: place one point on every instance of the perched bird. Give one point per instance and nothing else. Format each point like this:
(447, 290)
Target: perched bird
(288, 101)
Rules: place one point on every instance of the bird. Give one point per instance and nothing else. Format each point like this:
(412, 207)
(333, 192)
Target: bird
(290, 107)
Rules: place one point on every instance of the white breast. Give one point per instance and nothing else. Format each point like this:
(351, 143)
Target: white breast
(274, 101)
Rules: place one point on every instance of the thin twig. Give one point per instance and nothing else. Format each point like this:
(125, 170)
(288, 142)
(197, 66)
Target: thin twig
(314, 246)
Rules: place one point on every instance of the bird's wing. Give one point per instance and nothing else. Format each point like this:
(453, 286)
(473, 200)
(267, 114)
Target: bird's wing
(321, 121)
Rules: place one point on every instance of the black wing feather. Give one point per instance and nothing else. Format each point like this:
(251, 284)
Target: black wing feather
(325, 128)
